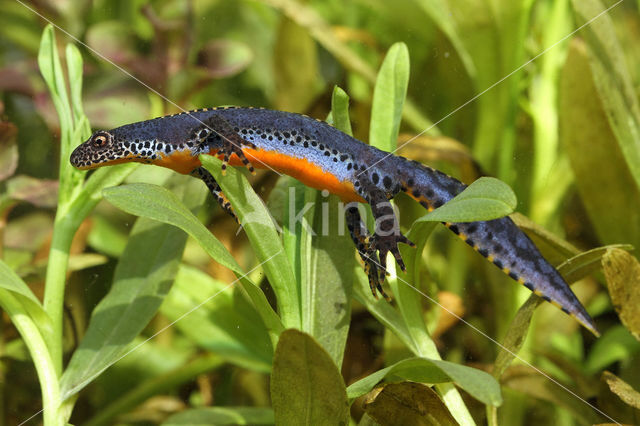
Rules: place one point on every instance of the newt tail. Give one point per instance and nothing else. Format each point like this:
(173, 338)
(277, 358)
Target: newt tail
(322, 157)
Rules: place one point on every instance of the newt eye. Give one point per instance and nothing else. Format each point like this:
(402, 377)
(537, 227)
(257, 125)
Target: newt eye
(99, 140)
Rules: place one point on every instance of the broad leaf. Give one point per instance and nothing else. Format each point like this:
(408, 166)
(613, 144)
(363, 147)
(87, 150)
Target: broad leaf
(485, 199)
(306, 386)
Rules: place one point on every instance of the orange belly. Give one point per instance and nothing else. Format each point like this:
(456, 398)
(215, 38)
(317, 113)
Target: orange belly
(301, 169)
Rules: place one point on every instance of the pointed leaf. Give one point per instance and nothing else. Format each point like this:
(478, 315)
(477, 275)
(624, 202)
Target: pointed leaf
(222, 416)
(142, 279)
(388, 98)
(622, 271)
(160, 204)
(485, 199)
(477, 383)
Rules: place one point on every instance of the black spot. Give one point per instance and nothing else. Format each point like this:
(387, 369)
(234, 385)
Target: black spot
(455, 229)
(565, 310)
(244, 131)
(472, 228)
(335, 160)
(327, 153)
(437, 203)
(410, 182)
(430, 193)
(375, 178)
(469, 241)
(357, 184)
(483, 252)
(306, 144)
(147, 144)
(498, 263)
(286, 134)
(321, 147)
(497, 248)
(314, 143)
(343, 157)
(386, 181)
(529, 285)
(513, 275)
(547, 298)
(349, 166)
(334, 151)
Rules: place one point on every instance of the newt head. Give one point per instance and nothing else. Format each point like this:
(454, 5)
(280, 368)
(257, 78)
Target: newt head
(100, 149)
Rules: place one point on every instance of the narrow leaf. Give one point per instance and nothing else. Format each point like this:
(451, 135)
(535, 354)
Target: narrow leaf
(340, 110)
(11, 282)
(265, 241)
(622, 271)
(222, 416)
(477, 383)
(388, 98)
(160, 204)
(612, 80)
(623, 389)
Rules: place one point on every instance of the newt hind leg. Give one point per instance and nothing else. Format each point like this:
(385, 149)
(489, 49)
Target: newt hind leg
(387, 233)
(362, 239)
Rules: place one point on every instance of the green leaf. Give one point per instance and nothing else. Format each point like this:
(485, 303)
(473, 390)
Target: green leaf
(485, 199)
(305, 16)
(306, 386)
(477, 383)
(222, 416)
(388, 98)
(516, 336)
(142, 279)
(327, 277)
(592, 145)
(612, 80)
(442, 16)
(340, 110)
(223, 323)
(11, 282)
(160, 204)
(265, 241)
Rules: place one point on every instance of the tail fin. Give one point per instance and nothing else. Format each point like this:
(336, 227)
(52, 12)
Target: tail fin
(501, 242)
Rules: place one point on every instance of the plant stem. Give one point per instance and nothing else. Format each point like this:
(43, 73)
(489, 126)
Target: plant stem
(40, 355)
(63, 232)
